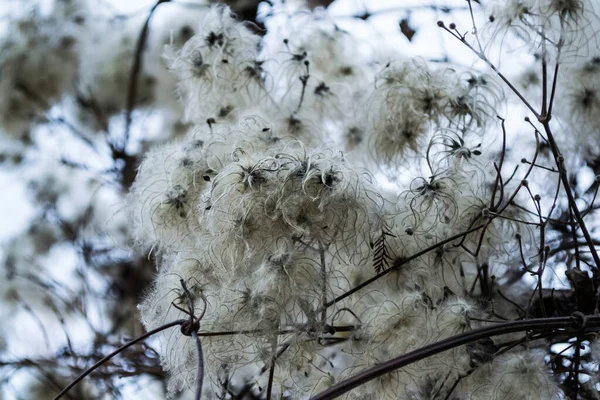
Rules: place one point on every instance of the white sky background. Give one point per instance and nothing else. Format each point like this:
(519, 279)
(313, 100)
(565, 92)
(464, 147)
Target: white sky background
(429, 42)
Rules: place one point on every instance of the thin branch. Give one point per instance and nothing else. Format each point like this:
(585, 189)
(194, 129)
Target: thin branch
(565, 181)
(483, 57)
(475, 32)
(200, 364)
(192, 328)
(494, 206)
(544, 119)
(398, 263)
(117, 351)
(544, 80)
(426, 7)
(323, 284)
(304, 80)
(559, 46)
(271, 376)
(540, 324)
(136, 67)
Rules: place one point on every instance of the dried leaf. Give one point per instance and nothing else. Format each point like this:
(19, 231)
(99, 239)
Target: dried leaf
(406, 29)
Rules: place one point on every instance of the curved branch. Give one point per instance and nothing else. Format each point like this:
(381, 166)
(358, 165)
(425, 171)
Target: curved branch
(540, 324)
(200, 362)
(136, 67)
(399, 262)
(117, 351)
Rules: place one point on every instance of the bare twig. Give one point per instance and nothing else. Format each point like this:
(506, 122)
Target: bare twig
(400, 262)
(544, 118)
(200, 363)
(136, 67)
(541, 324)
(117, 351)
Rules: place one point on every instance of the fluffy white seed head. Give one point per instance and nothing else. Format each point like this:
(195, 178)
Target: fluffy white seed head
(217, 68)
(167, 192)
(521, 375)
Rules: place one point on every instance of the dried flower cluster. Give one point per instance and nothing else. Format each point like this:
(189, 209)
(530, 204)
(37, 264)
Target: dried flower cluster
(315, 205)
(267, 226)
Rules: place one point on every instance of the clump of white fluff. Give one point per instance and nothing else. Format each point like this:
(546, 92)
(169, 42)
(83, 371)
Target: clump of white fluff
(436, 273)
(519, 376)
(295, 192)
(321, 77)
(430, 202)
(264, 245)
(579, 102)
(390, 326)
(218, 69)
(410, 99)
(511, 12)
(319, 68)
(394, 323)
(167, 192)
(572, 23)
(456, 153)
(163, 304)
(265, 229)
(398, 127)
